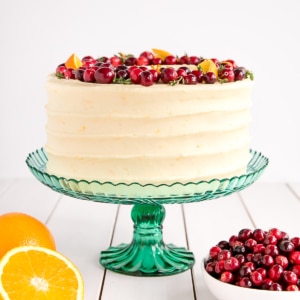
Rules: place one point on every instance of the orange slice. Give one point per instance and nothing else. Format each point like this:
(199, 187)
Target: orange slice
(208, 66)
(32, 272)
(73, 62)
(162, 54)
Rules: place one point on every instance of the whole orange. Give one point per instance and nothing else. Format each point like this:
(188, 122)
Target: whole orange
(20, 229)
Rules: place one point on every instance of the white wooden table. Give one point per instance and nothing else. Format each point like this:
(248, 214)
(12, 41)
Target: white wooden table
(83, 228)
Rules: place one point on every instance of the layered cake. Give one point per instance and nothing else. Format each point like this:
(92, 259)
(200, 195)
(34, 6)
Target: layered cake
(150, 120)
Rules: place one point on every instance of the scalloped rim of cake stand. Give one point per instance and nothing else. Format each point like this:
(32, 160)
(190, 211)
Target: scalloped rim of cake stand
(136, 193)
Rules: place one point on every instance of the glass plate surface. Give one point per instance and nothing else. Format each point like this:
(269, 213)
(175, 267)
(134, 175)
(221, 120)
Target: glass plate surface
(135, 193)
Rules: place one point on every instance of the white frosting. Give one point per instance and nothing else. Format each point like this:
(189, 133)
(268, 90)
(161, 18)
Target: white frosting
(157, 134)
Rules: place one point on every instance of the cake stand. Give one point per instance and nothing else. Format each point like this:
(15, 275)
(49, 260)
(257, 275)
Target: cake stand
(147, 254)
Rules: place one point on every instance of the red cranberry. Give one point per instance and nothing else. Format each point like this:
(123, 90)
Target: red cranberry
(257, 278)
(190, 79)
(271, 250)
(87, 58)
(296, 270)
(275, 273)
(250, 243)
(232, 240)
(104, 75)
(89, 75)
(60, 70)
(210, 78)
(170, 60)
(286, 246)
(276, 232)
(231, 264)
(155, 74)
(292, 288)
(270, 240)
(266, 284)
(259, 235)
(135, 75)
(296, 242)
(124, 74)
(227, 277)
(245, 282)
(219, 267)
(224, 254)
(249, 257)
(142, 61)
(194, 60)
(147, 78)
(257, 259)
(157, 61)
(168, 75)
(130, 61)
(258, 248)
(290, 277)
(263, 272)
(210, 267)
(116, 61)
(199, 75)
(183, 60)
(79, 74)
(267, 261)
(276, 287)
(69, 73)
(241, 258)
(148, 54)
(226, 75)
(295, 257)
(282, 261)
(250, 264)
(181, 72)
(245, 271)
(284, 236)
(89, 64)
(223, 245)
(214, 251)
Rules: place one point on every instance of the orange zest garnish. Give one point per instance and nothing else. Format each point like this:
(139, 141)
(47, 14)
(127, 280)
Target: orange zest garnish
(32, 272)
(73, 62)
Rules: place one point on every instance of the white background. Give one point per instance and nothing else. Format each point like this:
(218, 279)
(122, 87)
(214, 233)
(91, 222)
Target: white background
(36, 35)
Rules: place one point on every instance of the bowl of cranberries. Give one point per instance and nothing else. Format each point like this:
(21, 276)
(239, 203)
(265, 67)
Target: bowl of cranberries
(254, 264)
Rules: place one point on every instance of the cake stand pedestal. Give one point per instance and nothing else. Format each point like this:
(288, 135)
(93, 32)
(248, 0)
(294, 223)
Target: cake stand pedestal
(147, 254)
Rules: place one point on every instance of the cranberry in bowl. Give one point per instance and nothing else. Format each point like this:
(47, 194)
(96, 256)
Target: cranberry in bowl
(254, 264)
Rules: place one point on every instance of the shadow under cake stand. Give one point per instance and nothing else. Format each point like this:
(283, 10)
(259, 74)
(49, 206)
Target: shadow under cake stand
(147, 254)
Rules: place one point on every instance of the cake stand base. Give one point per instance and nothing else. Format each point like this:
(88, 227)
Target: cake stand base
(147, 254)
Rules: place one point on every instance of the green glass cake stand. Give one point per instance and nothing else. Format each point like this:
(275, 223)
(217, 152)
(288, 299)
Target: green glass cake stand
(147, 254)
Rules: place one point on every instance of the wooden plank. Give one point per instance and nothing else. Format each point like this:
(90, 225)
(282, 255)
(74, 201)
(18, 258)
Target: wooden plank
(174, 287)
(208, 223)
(273, 205)
(81, 230)
(295, 187)
(29, 196)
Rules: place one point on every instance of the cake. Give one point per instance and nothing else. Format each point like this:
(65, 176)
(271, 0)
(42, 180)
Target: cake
(164, 131)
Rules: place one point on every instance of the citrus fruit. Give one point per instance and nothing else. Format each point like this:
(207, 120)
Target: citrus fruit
(32, 272)
(162, 54)
(20, 229)
(73, 62)
(208, 65)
